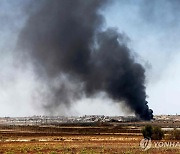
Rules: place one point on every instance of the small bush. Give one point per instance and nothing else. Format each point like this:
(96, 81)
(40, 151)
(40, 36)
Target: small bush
(33, 140)
(154, 133)
(158, 134)
(175, 135)
(147, 131)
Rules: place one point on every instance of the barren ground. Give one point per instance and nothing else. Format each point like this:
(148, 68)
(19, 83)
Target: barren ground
(76, 139)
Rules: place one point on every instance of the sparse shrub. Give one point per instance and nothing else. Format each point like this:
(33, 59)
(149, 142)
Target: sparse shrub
(154, 133)
(158, 134)
(147, 131)
(175, 134)
(56, 139)
(33, 140)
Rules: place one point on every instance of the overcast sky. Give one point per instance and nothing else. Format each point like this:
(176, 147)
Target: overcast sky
(153, 29)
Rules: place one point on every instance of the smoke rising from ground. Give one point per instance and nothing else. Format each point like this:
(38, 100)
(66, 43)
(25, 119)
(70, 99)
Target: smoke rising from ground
(73, 56)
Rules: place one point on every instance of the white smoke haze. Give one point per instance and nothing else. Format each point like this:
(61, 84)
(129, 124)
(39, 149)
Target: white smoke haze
(154, 33)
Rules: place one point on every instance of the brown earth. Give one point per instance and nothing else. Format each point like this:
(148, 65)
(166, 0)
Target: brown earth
(76, 139)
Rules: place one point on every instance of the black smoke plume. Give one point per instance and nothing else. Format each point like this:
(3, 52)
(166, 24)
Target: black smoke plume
(65, 41)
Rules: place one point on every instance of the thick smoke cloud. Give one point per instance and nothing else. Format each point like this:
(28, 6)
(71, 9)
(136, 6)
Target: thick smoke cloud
(73, 56)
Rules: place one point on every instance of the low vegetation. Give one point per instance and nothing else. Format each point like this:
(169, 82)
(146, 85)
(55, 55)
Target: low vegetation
(153, 132)
(175, 134)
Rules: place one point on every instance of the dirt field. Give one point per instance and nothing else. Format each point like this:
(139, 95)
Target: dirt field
(77, 139)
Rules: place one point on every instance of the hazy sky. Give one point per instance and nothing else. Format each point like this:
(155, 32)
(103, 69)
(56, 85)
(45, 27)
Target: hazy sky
(153, 29)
